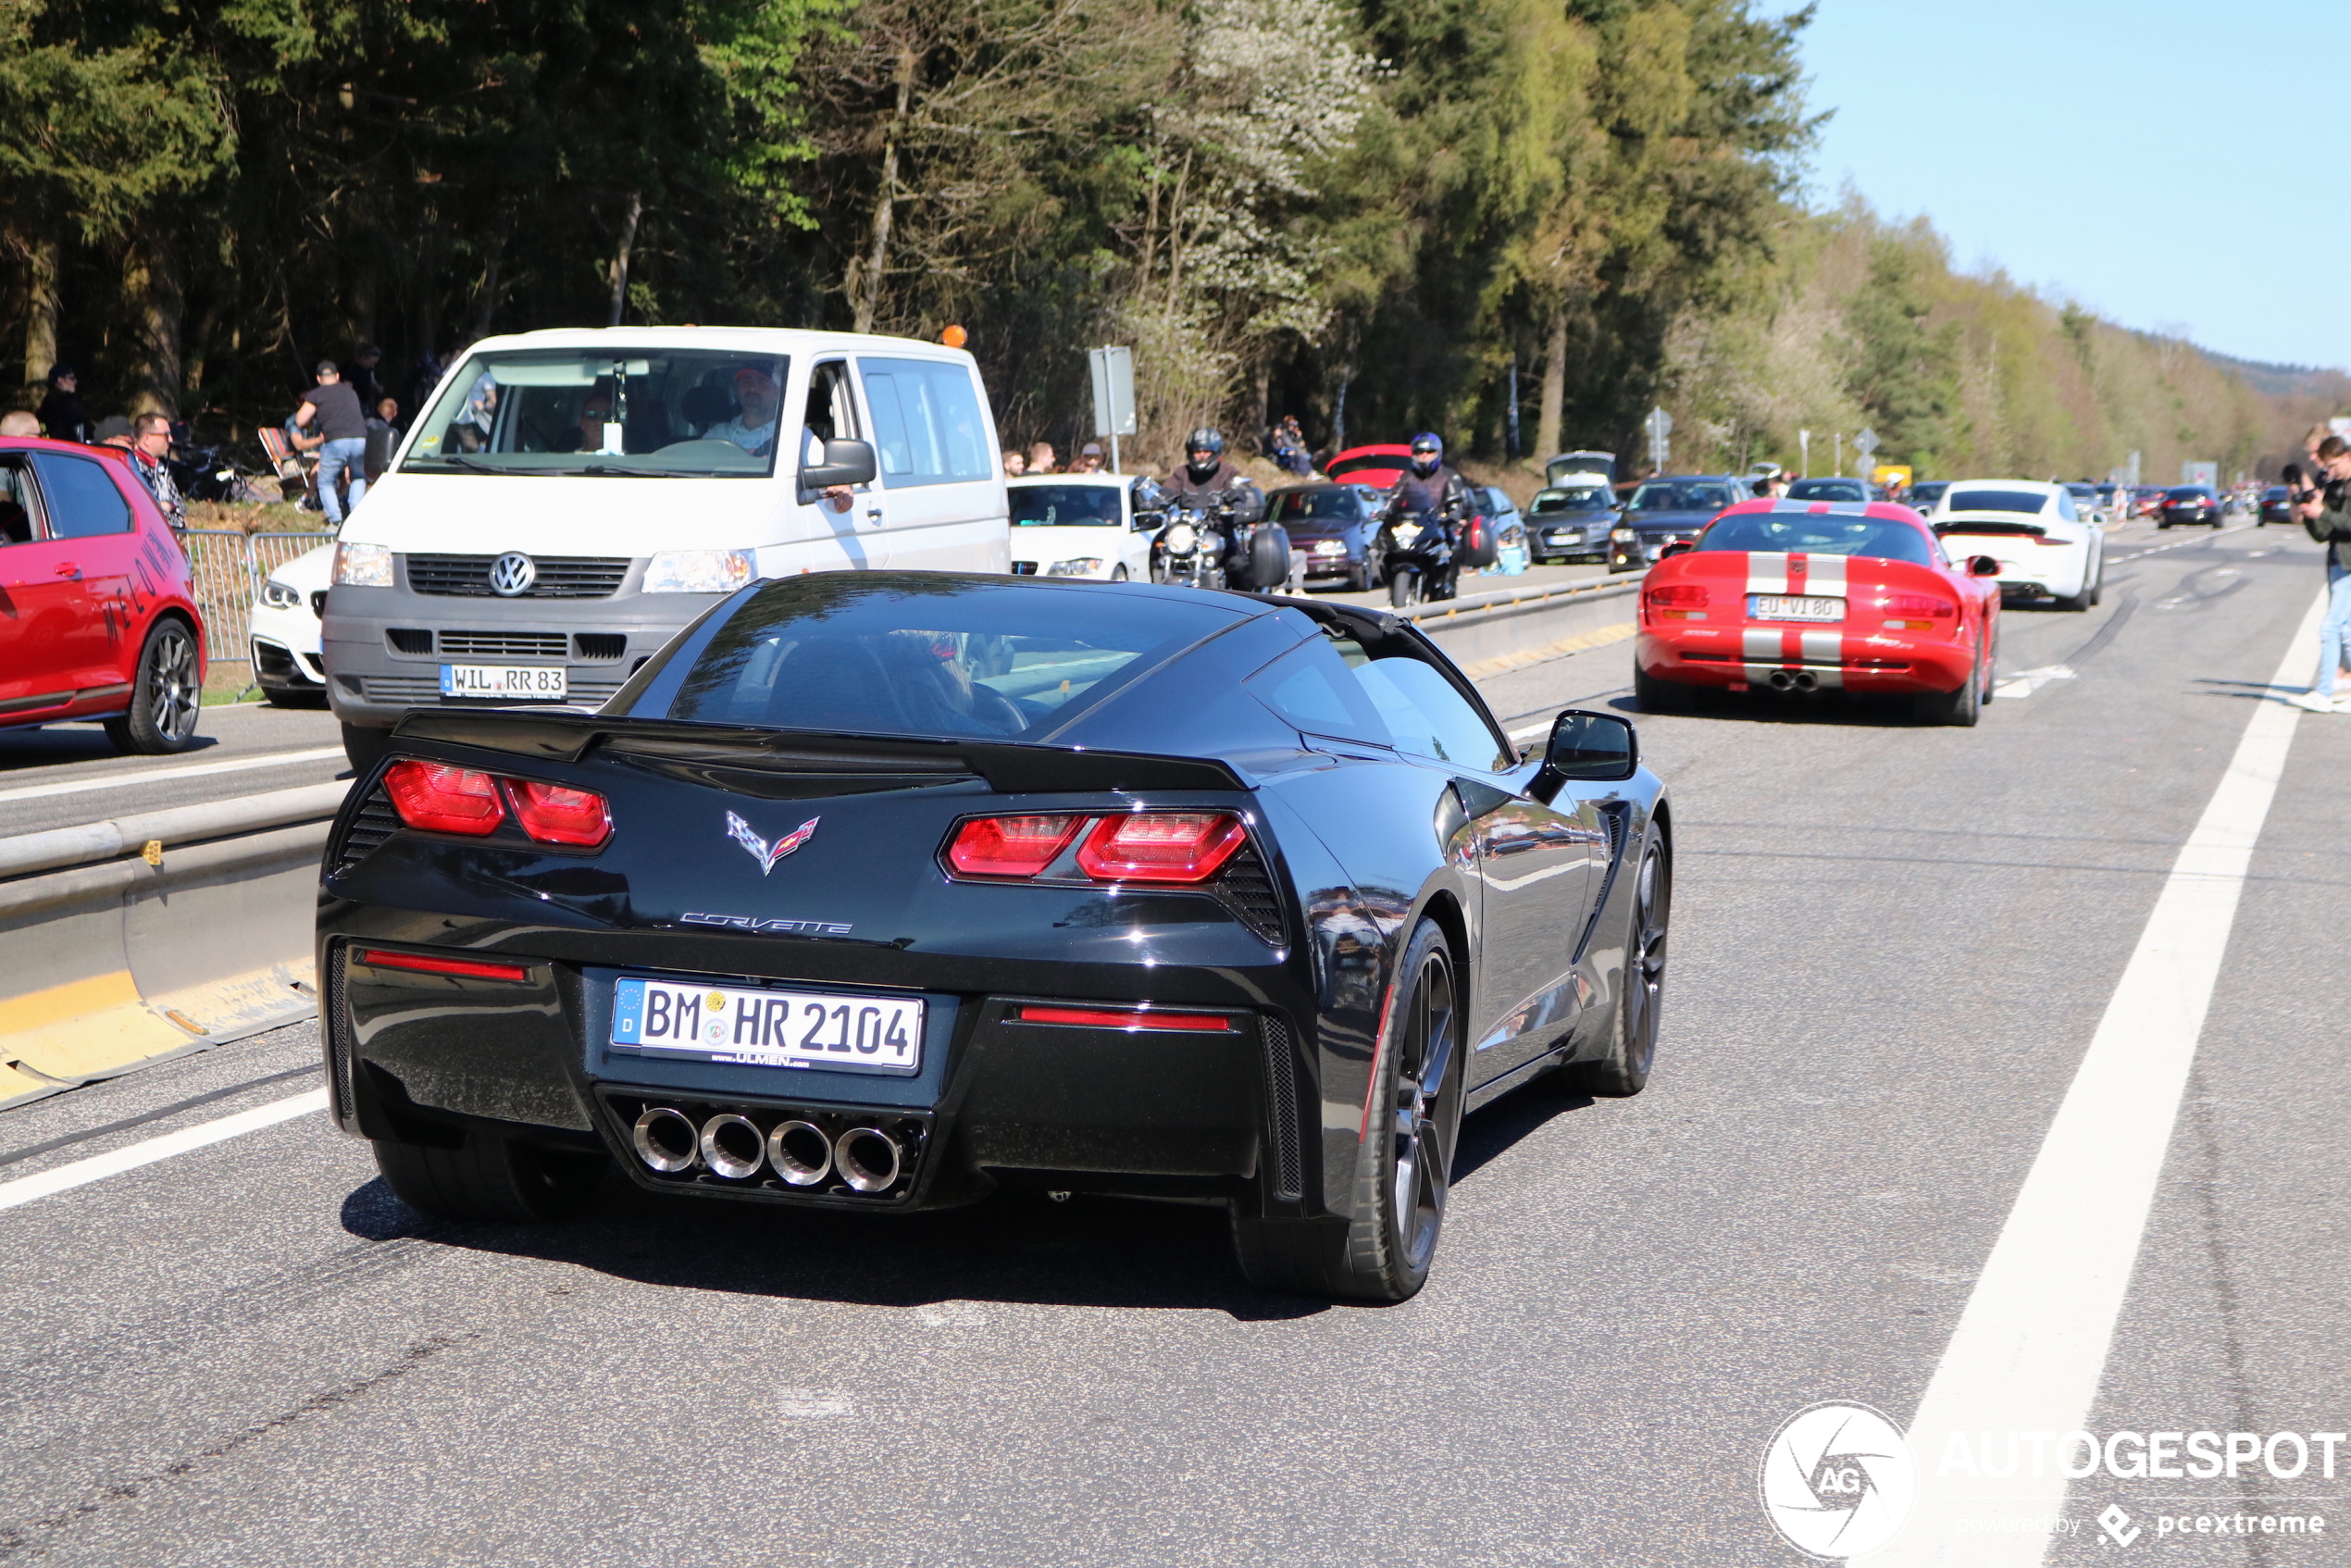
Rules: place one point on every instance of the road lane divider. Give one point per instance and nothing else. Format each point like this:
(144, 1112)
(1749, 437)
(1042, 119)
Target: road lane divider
(2030, 1350)
(148, 1152)
(191, 928)
(165, 775)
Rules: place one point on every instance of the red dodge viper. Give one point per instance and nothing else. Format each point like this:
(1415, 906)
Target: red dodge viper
(1802, 596)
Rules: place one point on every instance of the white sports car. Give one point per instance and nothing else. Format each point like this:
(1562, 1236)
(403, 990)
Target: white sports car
(2045, 548)
(1079, 525)
(285, 630)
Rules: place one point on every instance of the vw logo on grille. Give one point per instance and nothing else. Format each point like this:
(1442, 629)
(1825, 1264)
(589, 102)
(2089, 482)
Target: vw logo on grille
(512, 573)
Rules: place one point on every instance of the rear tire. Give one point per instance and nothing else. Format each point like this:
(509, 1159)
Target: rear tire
(166, 695)
(1625, 1070)
(1961, 708)
(364, 747)
(1405, 1171)
(490, 1177)
(1656, 696)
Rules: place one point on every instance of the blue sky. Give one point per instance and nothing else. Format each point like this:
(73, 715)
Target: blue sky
(2171, 166)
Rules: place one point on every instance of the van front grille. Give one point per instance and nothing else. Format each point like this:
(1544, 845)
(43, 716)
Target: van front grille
(557, 576)
(505, 645)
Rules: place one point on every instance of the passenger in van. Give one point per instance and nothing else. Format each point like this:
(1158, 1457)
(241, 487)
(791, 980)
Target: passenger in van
(757, 400)
(593, 412)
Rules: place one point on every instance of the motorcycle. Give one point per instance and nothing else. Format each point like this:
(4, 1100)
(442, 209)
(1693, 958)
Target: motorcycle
(205, 473)
(1419, 555)
(1189, 550)
(1198, 545)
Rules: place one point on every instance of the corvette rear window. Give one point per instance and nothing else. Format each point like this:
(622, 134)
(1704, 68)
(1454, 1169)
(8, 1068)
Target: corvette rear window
(1820, 534)
(2029, 502)
(882, 655)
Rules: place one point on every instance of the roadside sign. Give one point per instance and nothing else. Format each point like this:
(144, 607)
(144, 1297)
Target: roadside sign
(1660, 425)
(1866, 442)
(1114, 373)
(2206, 474)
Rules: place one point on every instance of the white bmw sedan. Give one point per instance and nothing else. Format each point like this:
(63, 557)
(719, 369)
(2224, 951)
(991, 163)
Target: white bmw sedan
(2046, 547)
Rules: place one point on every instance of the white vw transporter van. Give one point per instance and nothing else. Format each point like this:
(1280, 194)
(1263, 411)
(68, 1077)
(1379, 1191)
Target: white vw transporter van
(572, 499)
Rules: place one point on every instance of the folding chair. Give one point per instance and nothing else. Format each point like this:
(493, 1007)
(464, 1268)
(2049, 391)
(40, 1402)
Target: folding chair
(296, 471)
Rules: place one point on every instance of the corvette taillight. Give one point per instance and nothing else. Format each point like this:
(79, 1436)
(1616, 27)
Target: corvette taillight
(441, 799)
(1917, 604)
(555, 814)
(1170, 847)
(1011, 846)
(1680, 596)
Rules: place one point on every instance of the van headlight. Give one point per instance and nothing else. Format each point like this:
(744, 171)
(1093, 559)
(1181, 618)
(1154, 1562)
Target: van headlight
(1084, 566)
(698, 571)
(279, 596)
(363, 566)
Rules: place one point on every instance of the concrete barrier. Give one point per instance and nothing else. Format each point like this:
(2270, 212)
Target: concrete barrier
(201, 935)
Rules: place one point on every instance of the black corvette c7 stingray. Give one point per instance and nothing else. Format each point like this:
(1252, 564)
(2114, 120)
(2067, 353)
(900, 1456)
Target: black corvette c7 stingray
(880, 890)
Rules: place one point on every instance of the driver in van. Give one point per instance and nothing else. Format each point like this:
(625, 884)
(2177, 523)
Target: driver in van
(757, 402)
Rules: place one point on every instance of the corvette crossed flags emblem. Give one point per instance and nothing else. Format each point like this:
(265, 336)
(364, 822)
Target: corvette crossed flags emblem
(761, 850)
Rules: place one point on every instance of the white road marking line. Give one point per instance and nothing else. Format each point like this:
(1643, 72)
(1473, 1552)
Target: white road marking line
(2024, 682)
(2180, 544)
(200, 770)
(2031, 1346)
(97, 1167)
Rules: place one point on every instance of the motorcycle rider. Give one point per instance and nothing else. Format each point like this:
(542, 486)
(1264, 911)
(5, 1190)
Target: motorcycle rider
(1421, 493)
(1205, 481)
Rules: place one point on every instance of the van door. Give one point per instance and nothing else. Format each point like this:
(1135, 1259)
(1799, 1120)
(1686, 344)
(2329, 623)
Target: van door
(934, 444)
(858, 536)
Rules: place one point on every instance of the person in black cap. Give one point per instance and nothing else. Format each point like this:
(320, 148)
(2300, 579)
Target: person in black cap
(343, 431)
(63, 414)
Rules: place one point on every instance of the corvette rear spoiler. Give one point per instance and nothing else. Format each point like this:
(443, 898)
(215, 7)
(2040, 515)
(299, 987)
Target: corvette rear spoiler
(1007, 766)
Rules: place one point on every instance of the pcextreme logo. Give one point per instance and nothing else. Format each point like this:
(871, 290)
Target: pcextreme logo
(1837, 1480)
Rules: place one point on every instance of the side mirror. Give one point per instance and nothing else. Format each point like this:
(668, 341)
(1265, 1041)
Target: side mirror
(846, 461)
(1982, 565)
(1677, 547)
(1590, 747)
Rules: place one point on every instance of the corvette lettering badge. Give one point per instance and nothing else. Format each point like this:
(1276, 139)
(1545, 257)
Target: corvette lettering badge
(753, 923)
(761, 851)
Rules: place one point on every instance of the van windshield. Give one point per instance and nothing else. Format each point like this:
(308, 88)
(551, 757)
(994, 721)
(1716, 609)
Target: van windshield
(674, 413)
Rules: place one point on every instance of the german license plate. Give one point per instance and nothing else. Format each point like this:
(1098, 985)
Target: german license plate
(511, 683)
(1776, 607)
(767, 1028)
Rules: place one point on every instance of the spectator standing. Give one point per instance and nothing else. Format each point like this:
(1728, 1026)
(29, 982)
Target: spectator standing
(150, 445)
(19, 422)
(383, 434)
(1089, 459)
(1016, 462)
(63, 414)
(115, 431)
(342, 438)
(2326, 513)
(1041, 459)
(1290, 451)
(362, 375)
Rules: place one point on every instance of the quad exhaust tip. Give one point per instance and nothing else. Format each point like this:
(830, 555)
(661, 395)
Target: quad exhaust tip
(866, 1158)
(731, 1145)
(800, 1153)
(666, 1138)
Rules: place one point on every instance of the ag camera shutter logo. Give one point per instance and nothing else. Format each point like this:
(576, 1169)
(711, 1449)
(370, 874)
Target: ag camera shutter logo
(1839, 1480)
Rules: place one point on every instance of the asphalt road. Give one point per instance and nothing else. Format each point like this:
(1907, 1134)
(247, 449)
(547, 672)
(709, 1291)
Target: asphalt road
(61, 775)
(1892, 947)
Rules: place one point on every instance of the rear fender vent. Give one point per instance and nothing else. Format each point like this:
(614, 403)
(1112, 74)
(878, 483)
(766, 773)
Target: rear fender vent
(1247, 891)
(373, 822)
(1281, 1110)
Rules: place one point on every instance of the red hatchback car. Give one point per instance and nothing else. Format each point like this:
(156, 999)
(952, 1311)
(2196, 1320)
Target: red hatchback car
(97, 614)
(1804, 596)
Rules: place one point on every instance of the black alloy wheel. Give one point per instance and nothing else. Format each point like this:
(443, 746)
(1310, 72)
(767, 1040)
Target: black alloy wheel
(1404, 1173)
(165, 696)
(1961, 708)
(1625, 1069)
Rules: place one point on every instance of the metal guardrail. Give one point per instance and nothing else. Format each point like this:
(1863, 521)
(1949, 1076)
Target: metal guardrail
(230, 569)
(1544, 595)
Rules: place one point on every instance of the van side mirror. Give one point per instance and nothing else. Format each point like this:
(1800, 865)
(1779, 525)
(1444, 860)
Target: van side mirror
(1982, 565)
(1589, 747)
(846, 461)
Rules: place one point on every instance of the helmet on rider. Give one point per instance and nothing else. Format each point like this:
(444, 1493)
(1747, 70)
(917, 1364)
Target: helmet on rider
(1204, 452)
(1427, 453)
